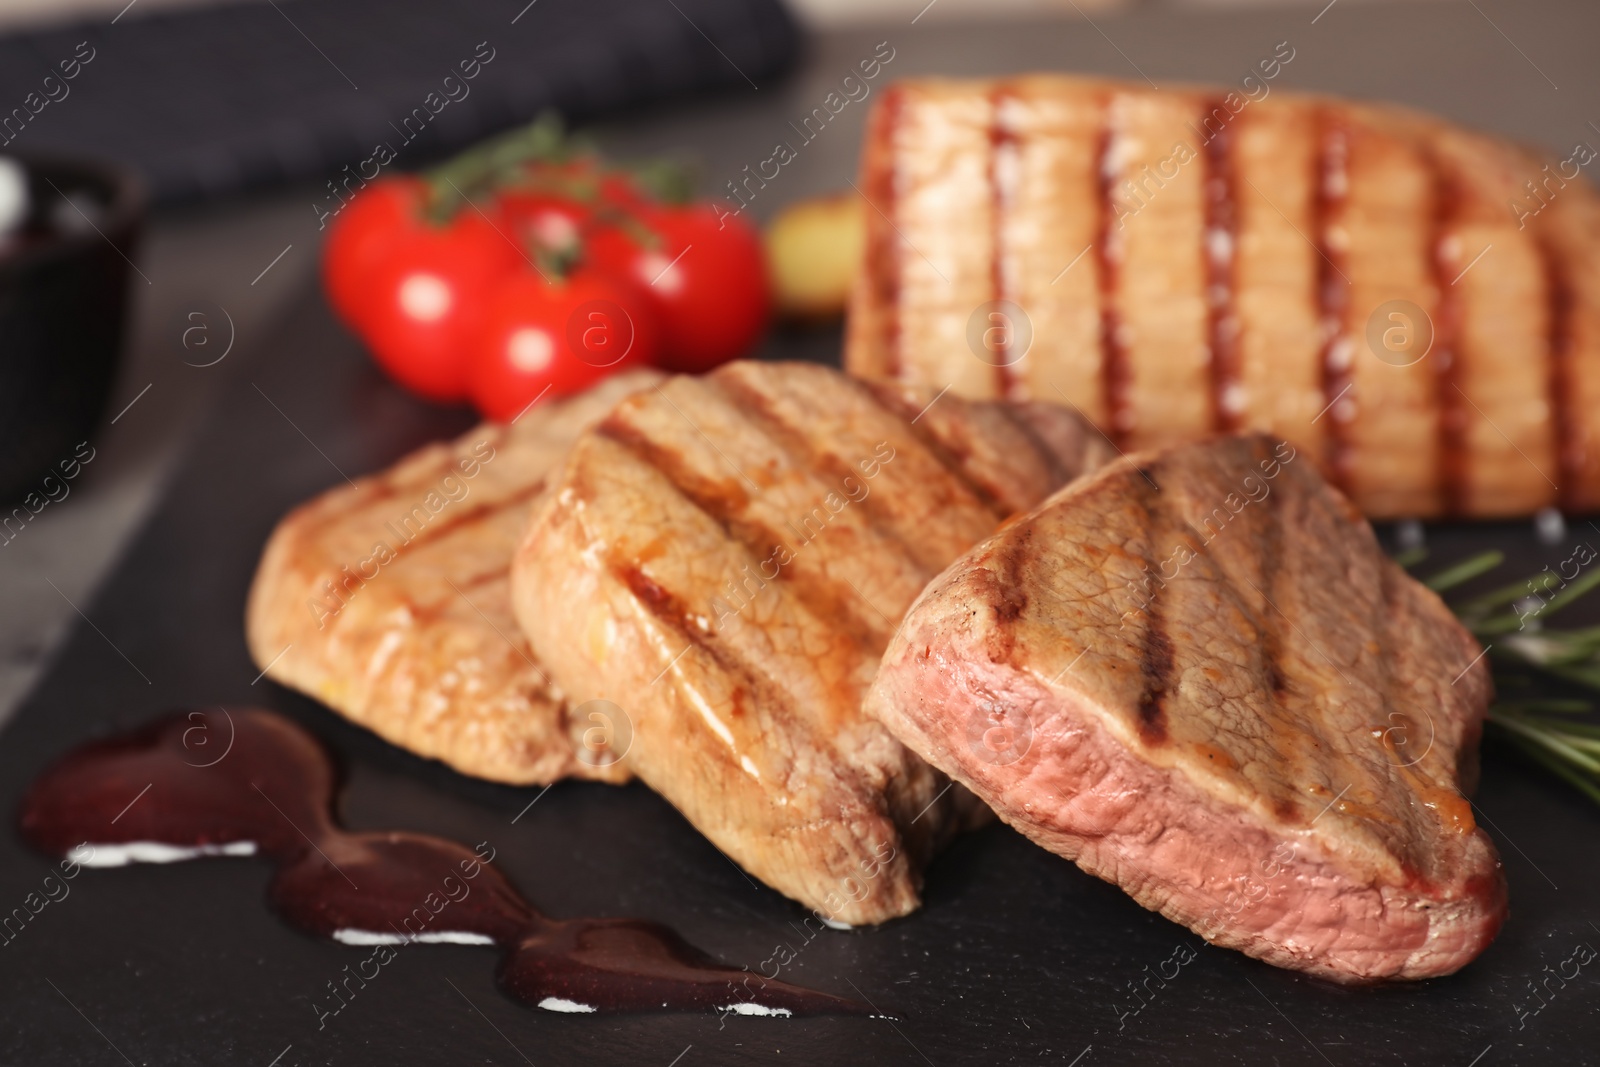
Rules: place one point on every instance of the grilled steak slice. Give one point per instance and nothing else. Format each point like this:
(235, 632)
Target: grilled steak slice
(390, 601)
(1281, 264)
(724, 559)
(1195, 674)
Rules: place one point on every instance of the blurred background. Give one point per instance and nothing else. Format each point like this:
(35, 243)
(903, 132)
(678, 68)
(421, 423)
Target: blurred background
(814, 14)
(236, 117)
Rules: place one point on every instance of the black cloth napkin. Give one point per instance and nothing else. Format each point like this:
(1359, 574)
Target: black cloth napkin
(214, 100)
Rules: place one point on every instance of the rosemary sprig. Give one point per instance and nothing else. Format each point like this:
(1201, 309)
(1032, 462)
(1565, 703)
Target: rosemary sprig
(1464, 571)
(1555, 745)
(1410, 557)
(1549, 731)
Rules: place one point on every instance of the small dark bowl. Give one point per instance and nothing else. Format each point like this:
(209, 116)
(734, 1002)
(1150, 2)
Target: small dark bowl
(63, 306)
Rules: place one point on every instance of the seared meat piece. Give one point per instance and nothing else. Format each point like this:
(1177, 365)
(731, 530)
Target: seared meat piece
(724, 559)
(1414, 305)
(390, 601)
(1196, 675)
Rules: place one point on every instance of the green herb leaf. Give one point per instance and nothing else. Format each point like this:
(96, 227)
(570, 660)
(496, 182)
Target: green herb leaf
(666, 180)
(1552, 732)
(1410, 557)
(1464, 571)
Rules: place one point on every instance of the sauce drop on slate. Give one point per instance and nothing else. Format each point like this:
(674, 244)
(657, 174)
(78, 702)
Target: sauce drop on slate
(207, 779)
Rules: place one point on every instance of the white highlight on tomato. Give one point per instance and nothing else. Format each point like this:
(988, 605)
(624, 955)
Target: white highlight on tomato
(659, 272)
(555, 230)
(424, 297)
(530, 350)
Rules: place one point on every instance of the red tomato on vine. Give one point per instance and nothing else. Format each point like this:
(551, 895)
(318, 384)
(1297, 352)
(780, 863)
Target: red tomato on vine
(422, 307)
(544, 339)
(707, 280)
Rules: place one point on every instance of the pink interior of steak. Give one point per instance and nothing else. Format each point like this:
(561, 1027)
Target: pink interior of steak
(1072, 787)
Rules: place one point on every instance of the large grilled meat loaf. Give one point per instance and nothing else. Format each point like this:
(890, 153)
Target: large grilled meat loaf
(724, 558)
(1415, 306)
(390, 602)
(1196, 674)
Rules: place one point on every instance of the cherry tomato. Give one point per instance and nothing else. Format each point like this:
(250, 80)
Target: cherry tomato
(361, 233)
(542, 338)
(423, 305)
(619, 190)
(706, 279)
(549, 221)
(556, 203)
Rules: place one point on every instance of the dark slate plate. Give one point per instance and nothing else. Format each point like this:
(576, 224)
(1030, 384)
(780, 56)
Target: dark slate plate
(1016, 958)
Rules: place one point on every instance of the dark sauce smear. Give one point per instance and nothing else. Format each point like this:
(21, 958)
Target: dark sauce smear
(211, 783)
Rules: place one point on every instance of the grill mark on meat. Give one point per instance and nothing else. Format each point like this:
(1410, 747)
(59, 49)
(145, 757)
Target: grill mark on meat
(1331, 200)
(376, 488)
(368, 493)
(884, 259)
(947, 453)
(660, 601)
(1388, 592)
(723, 505)
(1220, 251)
(1116, 375)
(385, 489)
(672, 613)
(665, 607)
(1561, 306)
(748, 687)
(1011, 592)
(767, 420)
(1271, 562)
(803, 446)
(1003, 153)
(1156, 661)
(721, 498)
(478, 513)
(1155, 671)
(382, 489)
(1072, 447)
(421, 612)
(485, 577)
(1060, 473)
(1451, 470)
